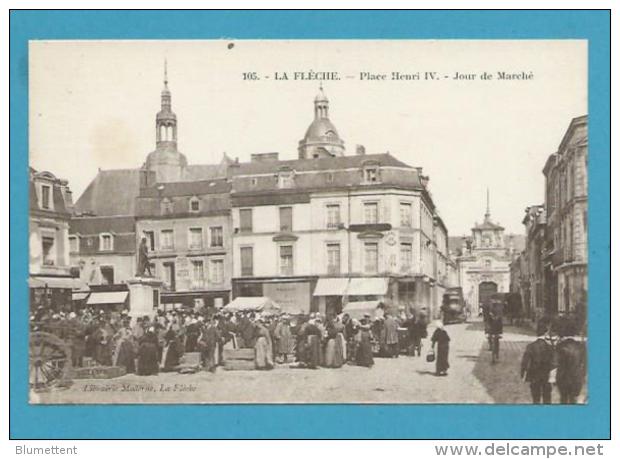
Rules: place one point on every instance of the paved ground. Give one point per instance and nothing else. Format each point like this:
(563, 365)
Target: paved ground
(471, 379)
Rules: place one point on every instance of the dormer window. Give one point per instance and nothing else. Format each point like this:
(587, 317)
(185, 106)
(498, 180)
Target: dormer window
(166, 206)
(194, 204)
(106, 242)
(285, 178)
(46, 192)
(371, 173)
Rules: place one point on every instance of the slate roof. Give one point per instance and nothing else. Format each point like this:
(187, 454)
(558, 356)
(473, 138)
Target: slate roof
(195, 188)
(317, 164)
(96, 225)
(112, 192)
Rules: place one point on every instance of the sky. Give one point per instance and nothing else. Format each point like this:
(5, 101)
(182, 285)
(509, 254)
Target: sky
(93, 105)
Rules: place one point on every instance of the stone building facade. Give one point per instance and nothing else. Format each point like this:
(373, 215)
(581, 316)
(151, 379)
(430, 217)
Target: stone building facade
(483, 262)
(51, 205)
(311, 233)
(566, 203)
(327, 228)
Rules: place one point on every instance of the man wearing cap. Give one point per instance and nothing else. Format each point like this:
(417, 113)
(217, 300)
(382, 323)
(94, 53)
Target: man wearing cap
(536, 365)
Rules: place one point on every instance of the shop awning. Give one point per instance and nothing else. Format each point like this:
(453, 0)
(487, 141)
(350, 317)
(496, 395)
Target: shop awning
(331, 286)
(107, 297)
(252, 303)
(357, 309)
(56, 282)
(78, 296)
(367, 286)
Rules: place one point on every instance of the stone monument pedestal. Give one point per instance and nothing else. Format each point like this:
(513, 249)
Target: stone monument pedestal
(144, 295)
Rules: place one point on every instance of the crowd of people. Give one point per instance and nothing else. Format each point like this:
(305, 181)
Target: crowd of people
(147, 345)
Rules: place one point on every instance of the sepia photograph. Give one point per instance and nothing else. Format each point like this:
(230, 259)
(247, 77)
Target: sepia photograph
(308, 222)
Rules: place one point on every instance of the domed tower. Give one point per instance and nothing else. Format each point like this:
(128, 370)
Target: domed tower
(321, 139)
(167, 162)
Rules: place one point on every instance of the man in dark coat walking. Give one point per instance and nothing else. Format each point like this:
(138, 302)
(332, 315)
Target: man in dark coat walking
(571, 362)
(536, 365)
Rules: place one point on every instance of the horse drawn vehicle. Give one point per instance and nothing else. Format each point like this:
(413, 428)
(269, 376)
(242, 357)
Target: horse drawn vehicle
(453, 306)
(49, 355)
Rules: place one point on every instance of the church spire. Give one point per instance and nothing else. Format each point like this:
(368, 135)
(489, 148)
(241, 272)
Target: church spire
(487, 215)
(166, 120)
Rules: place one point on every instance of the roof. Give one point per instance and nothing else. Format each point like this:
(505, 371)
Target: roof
(321, 128)
(317, 164)
(96, 225)
(192, 188)
(112, 192)
(206, 171)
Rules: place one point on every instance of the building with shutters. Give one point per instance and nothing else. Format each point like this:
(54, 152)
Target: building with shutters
(566, 204)
(316, 232)
(51, 204)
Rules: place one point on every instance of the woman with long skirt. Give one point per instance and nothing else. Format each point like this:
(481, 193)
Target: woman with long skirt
(313, 350)
(334, 352)
(148, 362)
(442, 340)
(263, 348)
(364, 356)
(125, 352)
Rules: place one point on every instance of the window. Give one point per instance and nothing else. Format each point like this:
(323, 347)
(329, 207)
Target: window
(216, 271)
(333, 258)
(166, 240)
(371, 257)
(286, 260)
(194, 205)
(371, 212)
(371, 175)
(74, 244)
(107, 275)
(405, 214)
(49, 256)
(167, 207)
(247, 261)
(195, 238)
(285, 179)
(286, 219)
(217, 236)
(105, 242)
(169, 274)
(150, 239)
(198, 274)
(406, 256)
(333, 215)
(45, 197)
(245, 220)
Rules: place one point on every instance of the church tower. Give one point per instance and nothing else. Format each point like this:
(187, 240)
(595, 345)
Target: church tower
(321, 139)
(488, 235)
(166, 161)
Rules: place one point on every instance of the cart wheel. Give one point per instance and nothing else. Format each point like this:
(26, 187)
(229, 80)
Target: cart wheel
(50, 361)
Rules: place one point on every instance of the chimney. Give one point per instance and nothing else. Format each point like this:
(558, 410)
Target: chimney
(360, 150)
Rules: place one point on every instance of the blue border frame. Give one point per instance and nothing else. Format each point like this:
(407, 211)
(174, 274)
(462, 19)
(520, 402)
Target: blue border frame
(316, 421)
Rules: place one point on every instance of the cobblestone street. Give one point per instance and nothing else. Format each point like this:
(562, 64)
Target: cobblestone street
(472, 379)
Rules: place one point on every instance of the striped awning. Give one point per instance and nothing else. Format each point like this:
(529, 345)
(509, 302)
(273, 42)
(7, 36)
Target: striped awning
(331, 286)
(107, 297)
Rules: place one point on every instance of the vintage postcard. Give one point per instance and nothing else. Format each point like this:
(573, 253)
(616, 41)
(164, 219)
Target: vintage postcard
(308, 221)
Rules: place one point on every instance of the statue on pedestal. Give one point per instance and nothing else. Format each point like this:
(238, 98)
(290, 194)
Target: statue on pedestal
(144, 265)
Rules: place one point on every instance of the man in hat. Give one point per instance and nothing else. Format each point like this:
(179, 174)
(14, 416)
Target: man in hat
(536, 364)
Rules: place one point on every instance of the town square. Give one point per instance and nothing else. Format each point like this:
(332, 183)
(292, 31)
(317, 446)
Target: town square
(326, 273)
